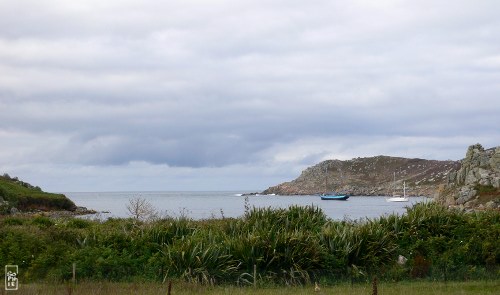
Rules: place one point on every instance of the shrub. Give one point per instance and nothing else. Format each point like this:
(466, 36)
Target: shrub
(42, 221)
(286, 246)
(78, 223)
(13, 221)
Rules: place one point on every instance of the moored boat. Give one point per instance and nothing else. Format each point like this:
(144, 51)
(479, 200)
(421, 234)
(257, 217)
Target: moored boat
(335, 197)
(399, 198)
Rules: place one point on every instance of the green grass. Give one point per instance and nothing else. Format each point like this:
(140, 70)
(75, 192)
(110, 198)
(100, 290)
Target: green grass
(181, 288)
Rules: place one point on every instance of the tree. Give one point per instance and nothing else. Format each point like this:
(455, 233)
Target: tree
(141, 209)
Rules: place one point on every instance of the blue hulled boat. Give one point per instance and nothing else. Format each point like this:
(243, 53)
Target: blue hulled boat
(335, 197)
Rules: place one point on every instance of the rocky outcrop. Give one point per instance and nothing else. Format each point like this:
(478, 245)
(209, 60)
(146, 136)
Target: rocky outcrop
(477, 183)
(19, 196)
(370, 176)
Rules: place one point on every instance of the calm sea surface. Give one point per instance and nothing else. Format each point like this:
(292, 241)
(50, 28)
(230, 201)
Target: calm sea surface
(202, 205)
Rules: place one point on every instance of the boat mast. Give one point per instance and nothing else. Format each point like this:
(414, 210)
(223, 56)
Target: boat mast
(341, 181)
(394, 185)
(326, 179)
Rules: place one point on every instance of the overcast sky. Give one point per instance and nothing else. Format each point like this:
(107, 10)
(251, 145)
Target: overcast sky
(238, 95)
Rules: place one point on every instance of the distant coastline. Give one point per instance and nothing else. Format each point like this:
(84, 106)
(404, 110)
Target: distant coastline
(371, 176)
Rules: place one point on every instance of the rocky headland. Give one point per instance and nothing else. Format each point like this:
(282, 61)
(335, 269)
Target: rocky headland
(371, 176)
(17, 197)
(477, 183)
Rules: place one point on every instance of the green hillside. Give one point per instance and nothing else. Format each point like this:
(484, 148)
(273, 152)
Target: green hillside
(15, 193)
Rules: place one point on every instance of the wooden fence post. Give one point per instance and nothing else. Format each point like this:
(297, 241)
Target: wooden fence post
(254, 275)
(374, 286)
(169, 287)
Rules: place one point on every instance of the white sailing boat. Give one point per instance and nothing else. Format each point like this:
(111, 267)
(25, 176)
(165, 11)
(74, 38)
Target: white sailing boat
(398, 198)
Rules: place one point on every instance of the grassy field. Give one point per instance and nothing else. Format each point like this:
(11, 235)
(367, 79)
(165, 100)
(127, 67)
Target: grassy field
(406, 288)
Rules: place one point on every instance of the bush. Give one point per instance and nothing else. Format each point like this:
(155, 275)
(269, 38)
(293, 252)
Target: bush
(13, 221)
(287, 246)
(42, 221)
(78, 223)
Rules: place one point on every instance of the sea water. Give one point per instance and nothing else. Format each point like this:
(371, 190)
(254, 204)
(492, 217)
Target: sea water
(203, 205)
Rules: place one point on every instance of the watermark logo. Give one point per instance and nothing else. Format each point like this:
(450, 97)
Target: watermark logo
(11, 282)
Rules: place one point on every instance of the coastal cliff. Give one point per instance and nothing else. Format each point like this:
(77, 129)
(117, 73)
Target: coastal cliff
(371, 176)
(19, 196)
(477, 183)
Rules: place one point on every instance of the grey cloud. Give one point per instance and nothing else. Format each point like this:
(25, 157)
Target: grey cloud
(204, 84)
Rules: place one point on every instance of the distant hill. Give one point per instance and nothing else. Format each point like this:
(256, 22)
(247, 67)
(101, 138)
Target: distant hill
(370, 176)
(23, 196)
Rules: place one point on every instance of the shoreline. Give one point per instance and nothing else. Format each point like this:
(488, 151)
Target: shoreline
(79, 211)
